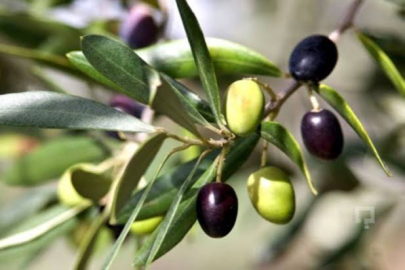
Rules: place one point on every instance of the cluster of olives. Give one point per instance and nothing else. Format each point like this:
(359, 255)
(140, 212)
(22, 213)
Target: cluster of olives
(269, 188)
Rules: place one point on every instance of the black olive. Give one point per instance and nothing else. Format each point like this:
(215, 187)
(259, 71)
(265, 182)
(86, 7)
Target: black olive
(217, 209)
(313, 59)
(322, 134)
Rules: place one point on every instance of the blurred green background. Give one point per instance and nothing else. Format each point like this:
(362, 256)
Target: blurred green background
(324, 233)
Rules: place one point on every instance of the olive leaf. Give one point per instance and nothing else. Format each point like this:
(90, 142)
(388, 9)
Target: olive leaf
(24, 207)
(119, 64)
(175, 59)
(33, 168)
(185, 215)
(124, 71)
(88, 181)
(164, 190)
(40, 230)
(279, 136)
(87, 245)
(171, 102)
(384, 62)
(53, 110)
(171, 213)
(132, 173)
(202, 59)
(342, 107)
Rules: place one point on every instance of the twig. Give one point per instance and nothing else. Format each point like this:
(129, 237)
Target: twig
(347, 20)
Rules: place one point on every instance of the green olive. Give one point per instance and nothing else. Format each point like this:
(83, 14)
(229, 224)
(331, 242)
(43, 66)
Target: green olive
(272, 195)
(146, 226)
(244, 107)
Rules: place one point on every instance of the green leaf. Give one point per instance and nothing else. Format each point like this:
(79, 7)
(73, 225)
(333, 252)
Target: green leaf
(119, 64)
(89, 181)
(64, 152)
(172, 212)
(86, 248)
(279, 136)
(133, 171)
(202, 59)
(53, 110)
(342, 107)
(384, 62)
(22, 208)
(41, 230)
(80, 62)
(185, 217)
(175, 59)
(170, 102)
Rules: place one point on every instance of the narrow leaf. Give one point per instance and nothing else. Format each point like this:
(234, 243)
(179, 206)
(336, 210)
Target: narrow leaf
(175, 59)
(279, 136)
(186, 214)
(168, 101)
(22, 208)
(117, 245)
(34, 169)
(53, 110)
(202, 59)
(384, 62)
(119, 64)
(87, 245)
(342, 107)
(27, 236)
(178, 88)
(173, 211)
(133, 171)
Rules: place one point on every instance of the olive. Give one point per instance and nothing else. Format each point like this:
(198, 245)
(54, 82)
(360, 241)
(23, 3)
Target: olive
(272, 195)
(322, 134)
(67, 193)
(146, 226)
(217, 209)
(127, 105)
(139, 29)
(244, 107)
(313, 59)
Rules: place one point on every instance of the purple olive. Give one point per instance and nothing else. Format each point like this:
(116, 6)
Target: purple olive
(217, 209)
(139, 29)
(322, 134)
(127, 105)
(313, 59)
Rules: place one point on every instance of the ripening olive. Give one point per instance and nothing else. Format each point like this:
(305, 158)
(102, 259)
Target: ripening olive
(126, 105)
(272, 195)
(322, 134)
(313, 59)
(217, 209)
(139, 29)
(244, 107)
(146, 226)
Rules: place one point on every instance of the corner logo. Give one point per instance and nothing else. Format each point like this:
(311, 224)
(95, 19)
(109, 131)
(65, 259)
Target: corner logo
(365, 215)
